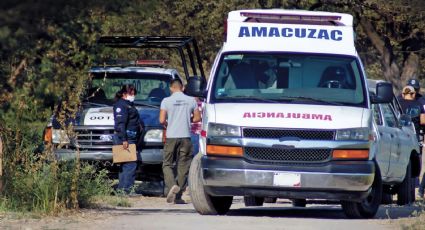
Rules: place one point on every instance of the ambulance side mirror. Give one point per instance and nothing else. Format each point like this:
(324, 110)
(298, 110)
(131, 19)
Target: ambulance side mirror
(195, 87)
(384, 93)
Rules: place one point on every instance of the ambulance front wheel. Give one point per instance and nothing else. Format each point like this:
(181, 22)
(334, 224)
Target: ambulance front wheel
(204, 203)
(369, 206)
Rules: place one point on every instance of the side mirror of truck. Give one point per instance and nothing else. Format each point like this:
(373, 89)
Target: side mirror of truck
(195, 87)
(405, 120)
(384, 93)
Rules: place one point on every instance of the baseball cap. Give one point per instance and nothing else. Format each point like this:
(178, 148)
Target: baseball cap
(414, 83)
(408, 89)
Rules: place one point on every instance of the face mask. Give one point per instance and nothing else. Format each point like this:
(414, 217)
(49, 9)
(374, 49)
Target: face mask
(131, 98)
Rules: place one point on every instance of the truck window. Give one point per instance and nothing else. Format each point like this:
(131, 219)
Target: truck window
(288, 76)
(151, 88)
(377, 114)
(389, 116)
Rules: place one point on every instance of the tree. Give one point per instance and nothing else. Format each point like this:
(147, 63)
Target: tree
(390, 35)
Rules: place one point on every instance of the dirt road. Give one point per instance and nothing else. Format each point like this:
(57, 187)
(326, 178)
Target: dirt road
(154, 213)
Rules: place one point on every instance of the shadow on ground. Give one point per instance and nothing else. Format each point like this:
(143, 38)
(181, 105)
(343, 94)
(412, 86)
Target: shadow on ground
(282, 209)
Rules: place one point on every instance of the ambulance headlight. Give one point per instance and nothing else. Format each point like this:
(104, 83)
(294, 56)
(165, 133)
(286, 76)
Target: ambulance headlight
(222, 130)
(59, 136)
(354, 134)
(153, 135)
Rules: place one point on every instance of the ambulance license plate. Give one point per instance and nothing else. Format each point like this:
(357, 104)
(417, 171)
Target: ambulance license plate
(287, 179)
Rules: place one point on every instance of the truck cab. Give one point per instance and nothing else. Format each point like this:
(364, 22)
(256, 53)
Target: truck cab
(287, 115)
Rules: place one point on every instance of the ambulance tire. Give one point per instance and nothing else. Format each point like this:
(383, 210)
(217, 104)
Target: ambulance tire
(204, 203)
(299, 203)
(253, 201)
(270, 200)
(368, 207)
(404, 193)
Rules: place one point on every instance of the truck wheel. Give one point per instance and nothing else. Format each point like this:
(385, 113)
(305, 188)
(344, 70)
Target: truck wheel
(368, 207)
(253, 201)
(271, 200)
(299, 203)
(203, 203)
(404, 193)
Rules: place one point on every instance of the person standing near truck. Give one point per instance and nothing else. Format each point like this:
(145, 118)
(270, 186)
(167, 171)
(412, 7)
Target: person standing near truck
(413, 107)
(177, 112)
(128, 127)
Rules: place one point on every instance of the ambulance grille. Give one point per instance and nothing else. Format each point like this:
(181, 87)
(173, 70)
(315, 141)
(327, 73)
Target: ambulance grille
(94, 138)
(277, 155)
(298, 133)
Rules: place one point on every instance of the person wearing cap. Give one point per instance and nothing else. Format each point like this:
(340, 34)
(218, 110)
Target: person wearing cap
(421, 99)
(413, 107)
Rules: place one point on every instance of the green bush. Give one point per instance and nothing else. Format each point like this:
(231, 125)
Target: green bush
(47, 187)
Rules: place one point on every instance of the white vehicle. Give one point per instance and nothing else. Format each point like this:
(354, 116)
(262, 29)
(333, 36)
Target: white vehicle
(396, 140)
(288, 114)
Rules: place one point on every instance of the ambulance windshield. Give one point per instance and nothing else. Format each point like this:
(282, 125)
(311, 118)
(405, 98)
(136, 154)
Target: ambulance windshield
(291, 78)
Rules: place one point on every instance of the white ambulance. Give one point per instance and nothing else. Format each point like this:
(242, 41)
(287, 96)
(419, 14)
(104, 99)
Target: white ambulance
(287, 115)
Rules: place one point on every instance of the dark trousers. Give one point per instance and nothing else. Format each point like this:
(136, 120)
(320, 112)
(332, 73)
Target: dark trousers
(127, 173)
(127, 176)
(180, 151)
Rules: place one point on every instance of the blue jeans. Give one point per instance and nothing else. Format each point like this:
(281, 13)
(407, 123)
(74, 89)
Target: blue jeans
(195, 143)
(127, 173)
(127, 176)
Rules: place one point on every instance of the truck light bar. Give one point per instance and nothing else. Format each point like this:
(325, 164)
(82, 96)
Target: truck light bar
(267, 17)
(152, 62)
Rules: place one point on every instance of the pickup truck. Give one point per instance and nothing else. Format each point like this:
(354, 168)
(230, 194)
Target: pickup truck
(94, 123)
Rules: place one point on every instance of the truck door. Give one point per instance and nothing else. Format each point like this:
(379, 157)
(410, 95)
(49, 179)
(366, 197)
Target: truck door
(392, 133)
(384, 150)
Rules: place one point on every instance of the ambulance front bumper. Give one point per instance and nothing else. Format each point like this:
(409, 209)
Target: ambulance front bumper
(343, 180)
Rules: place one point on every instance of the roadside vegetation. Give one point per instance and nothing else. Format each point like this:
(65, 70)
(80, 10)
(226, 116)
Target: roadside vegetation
(418, 220)
(48, 46)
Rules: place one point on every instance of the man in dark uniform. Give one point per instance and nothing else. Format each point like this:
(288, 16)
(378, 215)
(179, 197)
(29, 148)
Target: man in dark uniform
(127, 127)
(420, 100)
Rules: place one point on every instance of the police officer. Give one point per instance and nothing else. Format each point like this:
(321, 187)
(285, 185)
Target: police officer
(128, 127)
(420, 100)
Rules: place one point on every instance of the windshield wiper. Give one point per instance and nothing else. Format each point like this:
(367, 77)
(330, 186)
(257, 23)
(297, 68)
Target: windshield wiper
(252, 98)
(313, 99)
(96, 104)
(147, 105)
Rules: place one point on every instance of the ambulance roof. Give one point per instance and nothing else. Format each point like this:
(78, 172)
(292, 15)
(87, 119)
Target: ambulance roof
(290, 31)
